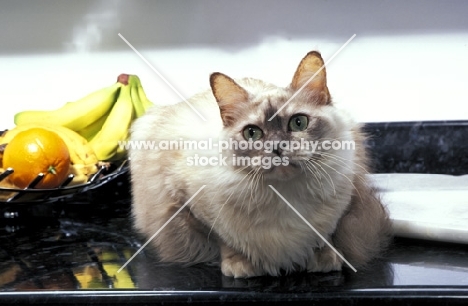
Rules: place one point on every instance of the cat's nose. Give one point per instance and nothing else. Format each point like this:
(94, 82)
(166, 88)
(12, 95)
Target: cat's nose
(278, 151)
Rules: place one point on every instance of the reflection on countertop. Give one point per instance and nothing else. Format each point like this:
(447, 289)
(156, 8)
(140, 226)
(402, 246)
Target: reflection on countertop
(82, 254)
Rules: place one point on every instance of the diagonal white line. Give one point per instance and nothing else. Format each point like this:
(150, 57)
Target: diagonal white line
(312, 77)
(313, 228)
(162, 227)
(161, 76)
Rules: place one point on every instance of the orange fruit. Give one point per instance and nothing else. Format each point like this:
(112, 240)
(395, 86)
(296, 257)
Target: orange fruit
(35, 151)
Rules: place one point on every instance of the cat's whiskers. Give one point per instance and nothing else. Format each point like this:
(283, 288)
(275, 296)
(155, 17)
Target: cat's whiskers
(252, 176)
(227, 200)
(316, 163)
(248, 176)
(313, 169)
(345, 176)
(341, 160)
(250, 188)
(332, 139)
(246, 189)
(236, 171)
(258, 176)
(344, 162)
(323, 173)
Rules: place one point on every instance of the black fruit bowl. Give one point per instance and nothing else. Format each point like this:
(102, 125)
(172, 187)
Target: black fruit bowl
(105, 175)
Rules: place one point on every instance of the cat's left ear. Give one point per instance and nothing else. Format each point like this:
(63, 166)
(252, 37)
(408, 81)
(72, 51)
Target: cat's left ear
(312, 64)
(229, 95)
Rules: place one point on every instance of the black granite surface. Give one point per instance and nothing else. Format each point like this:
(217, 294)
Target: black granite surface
(76, 258)
(69, 252)
(438, 147)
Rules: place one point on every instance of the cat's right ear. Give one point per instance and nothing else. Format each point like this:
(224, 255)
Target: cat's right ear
(311, 76)
(229, 95)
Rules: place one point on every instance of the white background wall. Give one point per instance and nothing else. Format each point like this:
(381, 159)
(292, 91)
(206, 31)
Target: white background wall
(409, 60)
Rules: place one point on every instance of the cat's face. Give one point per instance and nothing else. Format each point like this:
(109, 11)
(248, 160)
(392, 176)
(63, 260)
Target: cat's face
(273, 130)
(276, 148)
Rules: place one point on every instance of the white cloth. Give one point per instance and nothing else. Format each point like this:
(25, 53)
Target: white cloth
(426, 206)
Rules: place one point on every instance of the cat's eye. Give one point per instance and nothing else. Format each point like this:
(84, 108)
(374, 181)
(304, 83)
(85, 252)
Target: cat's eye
(252, 132)
(298, 123)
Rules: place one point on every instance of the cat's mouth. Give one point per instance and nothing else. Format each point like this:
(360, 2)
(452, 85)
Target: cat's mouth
(282, 172)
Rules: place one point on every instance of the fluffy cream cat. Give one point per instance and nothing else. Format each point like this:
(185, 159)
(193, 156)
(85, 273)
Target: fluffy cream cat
(237, 218)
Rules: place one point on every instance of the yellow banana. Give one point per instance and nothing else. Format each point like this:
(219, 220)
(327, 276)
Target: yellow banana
(137, 104)
(82, 173)
(76, 115)
(2, 148)
(91, 130)
(121, 152)
(115, 129)
(141, 93)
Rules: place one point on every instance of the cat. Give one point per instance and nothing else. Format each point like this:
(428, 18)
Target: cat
(239, 216)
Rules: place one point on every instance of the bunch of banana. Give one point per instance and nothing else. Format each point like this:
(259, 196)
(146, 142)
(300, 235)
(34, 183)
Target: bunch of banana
(105, 133)
(93, 126)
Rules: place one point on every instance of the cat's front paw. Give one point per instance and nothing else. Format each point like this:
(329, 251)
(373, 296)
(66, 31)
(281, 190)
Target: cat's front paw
(238, 266)
(325, 260)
